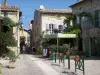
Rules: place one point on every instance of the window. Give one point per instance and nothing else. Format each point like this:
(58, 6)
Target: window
(78, 20)
(60, 28)
(97, 18)
(5, 14)
(51, 28)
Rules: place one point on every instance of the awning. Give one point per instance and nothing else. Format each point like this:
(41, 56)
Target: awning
(60, 36)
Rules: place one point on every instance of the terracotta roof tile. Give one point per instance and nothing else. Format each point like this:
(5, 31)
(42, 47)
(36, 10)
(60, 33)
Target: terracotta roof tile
(12, 8)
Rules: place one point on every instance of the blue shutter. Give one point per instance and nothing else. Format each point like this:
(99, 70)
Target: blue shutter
(55, 26)
(47, 26)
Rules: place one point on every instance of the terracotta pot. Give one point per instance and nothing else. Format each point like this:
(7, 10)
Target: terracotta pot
(11, 65)
(60, 54)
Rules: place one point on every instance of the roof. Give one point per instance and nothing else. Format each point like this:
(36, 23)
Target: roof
(63, 11)
(5, 7)
(9, 8)
(77, 3)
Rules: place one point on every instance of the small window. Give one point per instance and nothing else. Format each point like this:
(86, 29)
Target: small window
(78, 20)
(51, 28)
(60, 28)
(5, 14)
(97, 18)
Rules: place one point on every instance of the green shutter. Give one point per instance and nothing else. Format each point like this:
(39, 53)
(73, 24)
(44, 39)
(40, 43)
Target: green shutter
(97, 18)
(86, 46)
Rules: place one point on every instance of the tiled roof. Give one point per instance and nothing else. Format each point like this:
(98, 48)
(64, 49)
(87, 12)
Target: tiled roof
(55, 11)
(9, 8)
(78, 3)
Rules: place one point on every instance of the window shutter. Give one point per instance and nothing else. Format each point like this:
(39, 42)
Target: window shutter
(55, 26)
(97, 18)
(47, 26)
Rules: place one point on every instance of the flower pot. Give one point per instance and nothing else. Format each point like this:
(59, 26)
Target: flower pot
(60, 54)
(11, 65)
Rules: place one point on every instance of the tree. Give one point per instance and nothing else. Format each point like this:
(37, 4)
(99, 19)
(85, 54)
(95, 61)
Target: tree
(68, 19)
(6, 39)
(8, 24)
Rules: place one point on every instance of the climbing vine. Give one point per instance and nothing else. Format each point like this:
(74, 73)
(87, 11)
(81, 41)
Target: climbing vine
(8, 24)
(87, 15)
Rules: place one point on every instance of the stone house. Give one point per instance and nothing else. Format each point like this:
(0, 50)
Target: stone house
(30, 31)
(25, 33)
(14, 13)
(1, 23)
(90, 25)
(45, 21)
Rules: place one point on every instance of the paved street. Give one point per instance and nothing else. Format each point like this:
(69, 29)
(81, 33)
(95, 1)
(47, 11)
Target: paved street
(33, 65)
(92, 67)
(24, 66)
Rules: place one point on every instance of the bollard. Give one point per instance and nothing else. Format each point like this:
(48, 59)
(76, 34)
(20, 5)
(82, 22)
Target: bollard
(55, 57)
(68, 62)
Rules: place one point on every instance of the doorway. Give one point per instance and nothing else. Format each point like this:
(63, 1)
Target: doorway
(93, 43)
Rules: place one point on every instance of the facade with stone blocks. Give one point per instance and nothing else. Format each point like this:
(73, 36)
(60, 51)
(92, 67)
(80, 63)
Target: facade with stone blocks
(90, 27)
(45, 21)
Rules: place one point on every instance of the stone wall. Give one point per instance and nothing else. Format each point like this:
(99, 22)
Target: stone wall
(88, 31)
(87, 6)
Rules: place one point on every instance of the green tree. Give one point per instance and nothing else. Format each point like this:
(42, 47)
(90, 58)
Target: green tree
(6, 39)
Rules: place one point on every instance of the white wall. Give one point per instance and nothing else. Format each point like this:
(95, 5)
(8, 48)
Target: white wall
(54, 19)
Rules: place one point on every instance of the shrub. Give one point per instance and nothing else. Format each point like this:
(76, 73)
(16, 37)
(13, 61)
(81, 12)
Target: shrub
(22, 37)
(40, 50)
(12, 56)
(6, 39)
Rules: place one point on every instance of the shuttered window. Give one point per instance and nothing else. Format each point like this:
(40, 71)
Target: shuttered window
(60, 28)
(97, 18)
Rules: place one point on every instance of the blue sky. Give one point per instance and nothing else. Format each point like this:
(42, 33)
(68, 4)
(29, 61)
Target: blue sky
(28, 7)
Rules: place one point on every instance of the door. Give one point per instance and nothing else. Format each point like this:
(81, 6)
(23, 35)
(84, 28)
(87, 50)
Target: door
(93, 47)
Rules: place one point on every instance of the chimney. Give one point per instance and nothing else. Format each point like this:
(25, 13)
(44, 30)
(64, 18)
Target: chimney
(5, 3)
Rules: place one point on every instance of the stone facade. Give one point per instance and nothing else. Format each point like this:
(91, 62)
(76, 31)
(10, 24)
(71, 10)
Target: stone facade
(42, 19)
(89, 30)
(11, 12)
(24, 32)
(14, 13)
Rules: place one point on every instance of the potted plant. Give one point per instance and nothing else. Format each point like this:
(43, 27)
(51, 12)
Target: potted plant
(12, 59)
(0, 68)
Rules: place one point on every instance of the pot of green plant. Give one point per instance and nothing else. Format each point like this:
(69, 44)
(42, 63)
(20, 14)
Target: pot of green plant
(12, 59)
(0, 68)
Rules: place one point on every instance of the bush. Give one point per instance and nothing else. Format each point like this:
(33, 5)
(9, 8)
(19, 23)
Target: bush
(6, 39)
(12, 56)
(22, 37)
(40, 51)
(8, 22)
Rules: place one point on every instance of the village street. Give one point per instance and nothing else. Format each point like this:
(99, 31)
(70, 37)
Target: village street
(32, 65)
(24, 66)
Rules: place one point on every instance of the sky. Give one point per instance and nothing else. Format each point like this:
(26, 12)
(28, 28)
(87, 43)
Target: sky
(28, 7)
